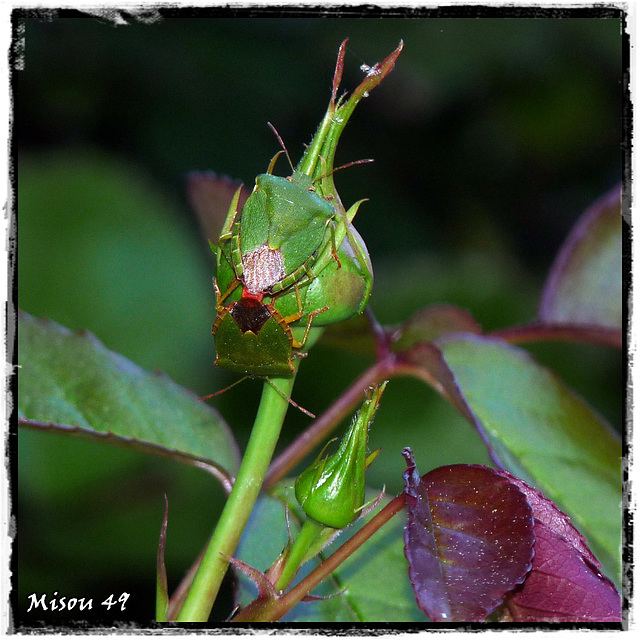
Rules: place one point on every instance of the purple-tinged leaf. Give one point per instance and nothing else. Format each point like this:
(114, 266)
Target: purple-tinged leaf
(162, 588)
(210, 196)
(540, 430)
(546, 512)
(565, 583)
(427, 324)
(430, 323)
(469, 540)
(584, 286)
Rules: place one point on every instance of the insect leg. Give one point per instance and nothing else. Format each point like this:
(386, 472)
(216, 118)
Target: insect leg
(334, 250)
(221, 298)
(299, 344)
(295, 316)
(227, 228)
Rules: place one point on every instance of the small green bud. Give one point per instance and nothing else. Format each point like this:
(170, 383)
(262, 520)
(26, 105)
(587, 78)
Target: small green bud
(331, 490)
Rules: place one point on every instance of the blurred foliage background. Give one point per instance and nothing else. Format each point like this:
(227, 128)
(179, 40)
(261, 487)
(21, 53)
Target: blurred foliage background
(490, 137)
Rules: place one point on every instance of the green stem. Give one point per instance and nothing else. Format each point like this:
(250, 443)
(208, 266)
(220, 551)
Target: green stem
(236, 512)
(309, 532)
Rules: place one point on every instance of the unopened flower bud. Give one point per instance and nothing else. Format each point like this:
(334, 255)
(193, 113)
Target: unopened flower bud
(332, 489)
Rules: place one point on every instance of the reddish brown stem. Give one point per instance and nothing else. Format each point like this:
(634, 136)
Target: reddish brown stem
(539, 332)
(273, 610)
(381, 338)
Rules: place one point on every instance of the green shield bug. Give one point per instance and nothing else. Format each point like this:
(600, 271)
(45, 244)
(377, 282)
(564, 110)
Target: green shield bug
(252, 337)
(276, 239)
(282, 227)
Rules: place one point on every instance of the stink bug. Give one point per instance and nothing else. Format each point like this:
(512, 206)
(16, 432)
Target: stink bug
(282, 226)
(252, 337)
(282, 229)
(252, 332)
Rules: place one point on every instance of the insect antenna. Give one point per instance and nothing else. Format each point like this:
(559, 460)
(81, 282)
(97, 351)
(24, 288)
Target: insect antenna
(219, 393)
(284, 148)
(284, 395)
(344, 166)
(289, 400)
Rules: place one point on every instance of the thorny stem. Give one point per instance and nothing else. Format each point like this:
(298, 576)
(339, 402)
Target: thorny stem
(238, 508)
(273, 610)
(381, 338)
(236, 512)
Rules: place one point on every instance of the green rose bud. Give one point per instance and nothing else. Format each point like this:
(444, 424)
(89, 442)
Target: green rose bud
(331, 490)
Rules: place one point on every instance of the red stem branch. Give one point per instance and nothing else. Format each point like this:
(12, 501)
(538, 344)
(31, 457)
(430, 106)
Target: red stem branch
(534, 332)
(274, 610)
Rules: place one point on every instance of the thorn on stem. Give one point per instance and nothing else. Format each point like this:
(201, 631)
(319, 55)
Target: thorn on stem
(265, 588)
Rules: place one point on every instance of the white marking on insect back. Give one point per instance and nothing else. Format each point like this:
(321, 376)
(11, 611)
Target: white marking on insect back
(262, 268)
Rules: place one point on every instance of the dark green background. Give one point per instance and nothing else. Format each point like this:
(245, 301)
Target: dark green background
(490, 137)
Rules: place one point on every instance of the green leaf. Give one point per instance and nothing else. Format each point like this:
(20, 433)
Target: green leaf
(375, 578)
(70, 383)
(546, 435)
(585, 282)
(106, 248)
